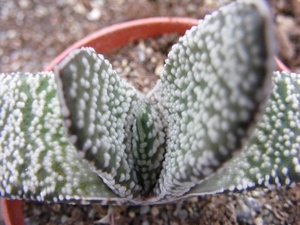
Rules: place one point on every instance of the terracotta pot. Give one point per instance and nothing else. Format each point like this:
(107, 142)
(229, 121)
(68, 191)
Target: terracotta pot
(281, 66)
(12, 212)
(115, 36)
(104, 41)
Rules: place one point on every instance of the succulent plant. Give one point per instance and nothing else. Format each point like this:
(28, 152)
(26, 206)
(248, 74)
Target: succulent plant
(219, 119)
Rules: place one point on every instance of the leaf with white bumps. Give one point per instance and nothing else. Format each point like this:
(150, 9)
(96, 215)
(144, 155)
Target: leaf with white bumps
(148, 145)
(98, 109)
(215, 84)
(272, 156)
(37, 161)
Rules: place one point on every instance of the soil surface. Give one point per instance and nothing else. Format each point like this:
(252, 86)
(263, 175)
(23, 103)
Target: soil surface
(33, 32)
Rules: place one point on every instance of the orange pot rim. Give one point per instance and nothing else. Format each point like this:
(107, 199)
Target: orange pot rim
(115, 36)
(12, 212)
(281, 66)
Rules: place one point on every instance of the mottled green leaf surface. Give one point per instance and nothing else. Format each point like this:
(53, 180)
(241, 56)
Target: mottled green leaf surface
(148, 145)
(272, 156)
(215, 82)
(37, 161)
(98, 109)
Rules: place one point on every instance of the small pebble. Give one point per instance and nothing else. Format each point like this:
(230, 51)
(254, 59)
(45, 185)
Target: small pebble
(158, 69)
(124, 62)
(174, 223)
(131, 214)
(193, 199)
(24, 4)
(183, 214)
(154, 211)
(258, 221)
(144, 209)
(76, 213)
(36, 211)
(91, 213)
(64, 219)
(56, 207)
(95, 14)
(146, 222)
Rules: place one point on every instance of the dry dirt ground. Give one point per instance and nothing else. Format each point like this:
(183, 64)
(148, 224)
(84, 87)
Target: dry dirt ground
(33, 32)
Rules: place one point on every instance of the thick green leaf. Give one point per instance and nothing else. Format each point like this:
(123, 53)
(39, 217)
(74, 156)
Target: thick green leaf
(37, 161)
(215, 84)
(98, 108)
(272, 156)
